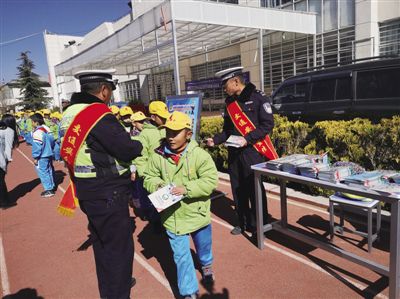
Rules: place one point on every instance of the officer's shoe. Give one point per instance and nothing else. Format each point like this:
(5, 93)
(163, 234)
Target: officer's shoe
(237, 230)
(48, 193)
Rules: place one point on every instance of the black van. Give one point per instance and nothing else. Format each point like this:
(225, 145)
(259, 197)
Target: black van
(368, 89)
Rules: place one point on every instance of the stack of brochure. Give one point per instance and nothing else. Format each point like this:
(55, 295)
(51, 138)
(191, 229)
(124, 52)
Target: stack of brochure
(366, 179)
(293, 166)
(233, 141)
(354, 167)
(387, 189)
(278, 163)
(391, 176)
(312, 170)
(334, 174)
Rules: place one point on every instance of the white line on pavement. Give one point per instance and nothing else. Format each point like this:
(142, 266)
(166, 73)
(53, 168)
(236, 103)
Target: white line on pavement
(302, 260)
(161, 279)
(30, 161)
(5, 285)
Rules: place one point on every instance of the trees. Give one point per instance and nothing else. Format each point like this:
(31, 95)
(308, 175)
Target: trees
(34, 97)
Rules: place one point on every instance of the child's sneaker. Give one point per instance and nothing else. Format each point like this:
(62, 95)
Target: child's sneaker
(48, 193)
(193, 296)
(208, 274)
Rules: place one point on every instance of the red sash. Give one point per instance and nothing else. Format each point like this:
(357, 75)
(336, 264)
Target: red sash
(76, 134)
(244, 125)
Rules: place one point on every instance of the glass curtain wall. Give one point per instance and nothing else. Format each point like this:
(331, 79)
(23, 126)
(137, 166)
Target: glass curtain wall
(212, 96)
(288, 54)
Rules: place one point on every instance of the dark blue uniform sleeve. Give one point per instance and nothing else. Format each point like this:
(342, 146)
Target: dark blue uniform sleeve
(226, 130)
(265, 119)
(115, 140)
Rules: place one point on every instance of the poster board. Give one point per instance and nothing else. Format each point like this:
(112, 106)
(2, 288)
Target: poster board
(190, 104)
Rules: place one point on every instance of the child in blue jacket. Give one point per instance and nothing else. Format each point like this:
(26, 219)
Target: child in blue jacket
(42, 152)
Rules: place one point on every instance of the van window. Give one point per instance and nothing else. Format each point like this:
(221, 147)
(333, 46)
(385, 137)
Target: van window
(323, 90)
(343, 89)
(291, 93)
(382, 83)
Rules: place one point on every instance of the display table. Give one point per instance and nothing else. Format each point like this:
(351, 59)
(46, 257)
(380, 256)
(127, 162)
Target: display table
(393, 271)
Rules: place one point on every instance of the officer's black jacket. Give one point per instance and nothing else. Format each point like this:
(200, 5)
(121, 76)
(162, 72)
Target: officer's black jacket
(106, 141)
(257, 108)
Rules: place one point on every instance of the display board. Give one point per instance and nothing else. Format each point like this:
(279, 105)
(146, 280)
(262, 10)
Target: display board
(190, 104)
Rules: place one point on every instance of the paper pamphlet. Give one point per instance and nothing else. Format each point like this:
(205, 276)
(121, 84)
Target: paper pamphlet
(162, 198)
(233, 141)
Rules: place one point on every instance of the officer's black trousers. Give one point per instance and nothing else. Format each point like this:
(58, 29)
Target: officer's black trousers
(111, 230)
(243, 188)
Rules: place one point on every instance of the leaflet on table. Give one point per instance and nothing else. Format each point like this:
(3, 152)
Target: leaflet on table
(162, 198)
(233, 141)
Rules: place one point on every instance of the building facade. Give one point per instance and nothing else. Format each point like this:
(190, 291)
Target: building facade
(345, 31)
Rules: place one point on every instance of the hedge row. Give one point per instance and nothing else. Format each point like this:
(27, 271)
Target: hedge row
(373, 146)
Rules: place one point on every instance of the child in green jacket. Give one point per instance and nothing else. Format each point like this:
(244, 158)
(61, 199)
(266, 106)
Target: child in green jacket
(181, 162)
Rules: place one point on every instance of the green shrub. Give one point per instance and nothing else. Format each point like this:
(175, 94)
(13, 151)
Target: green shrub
(373, 146)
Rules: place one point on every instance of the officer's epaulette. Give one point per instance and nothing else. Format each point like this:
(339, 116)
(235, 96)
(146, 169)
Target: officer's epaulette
(260, 92)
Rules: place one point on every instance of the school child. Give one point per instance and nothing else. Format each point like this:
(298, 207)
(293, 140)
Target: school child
(42, 152)
(125, 118)
(138, 119)
(181, 162)
(55, 131)
(150, 137)
(26, 127)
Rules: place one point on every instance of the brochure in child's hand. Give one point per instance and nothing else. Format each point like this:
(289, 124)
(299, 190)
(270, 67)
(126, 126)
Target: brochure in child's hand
(162, 198)
(233, 141)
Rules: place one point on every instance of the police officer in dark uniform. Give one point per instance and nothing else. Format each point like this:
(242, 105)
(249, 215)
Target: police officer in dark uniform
(102, 180)
(256, 106)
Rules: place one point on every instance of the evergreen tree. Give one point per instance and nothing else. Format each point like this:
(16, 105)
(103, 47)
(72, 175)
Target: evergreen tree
(34, 97)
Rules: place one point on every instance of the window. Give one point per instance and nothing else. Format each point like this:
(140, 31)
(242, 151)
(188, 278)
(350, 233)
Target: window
(343, 89)
(347, 13)
(330, 15)
(291, 93)
(378, 84)
(389, 33)
(323, 90)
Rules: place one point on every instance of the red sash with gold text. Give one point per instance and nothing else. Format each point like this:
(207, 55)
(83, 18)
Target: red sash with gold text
(244, 125)
(76, 134)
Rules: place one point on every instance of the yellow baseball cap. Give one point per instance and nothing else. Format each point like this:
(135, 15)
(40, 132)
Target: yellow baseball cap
(126, 110)
(46, 111)
(178, 121)
(159, 108)
(114, 109)
(138, 116)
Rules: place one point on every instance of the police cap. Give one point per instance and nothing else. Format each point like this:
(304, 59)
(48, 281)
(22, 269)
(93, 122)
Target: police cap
(90, 76)
(226, 74)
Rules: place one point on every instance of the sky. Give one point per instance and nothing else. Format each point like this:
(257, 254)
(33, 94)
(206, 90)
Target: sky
(21, 18)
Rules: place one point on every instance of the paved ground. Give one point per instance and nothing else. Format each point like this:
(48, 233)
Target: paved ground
(46, 255)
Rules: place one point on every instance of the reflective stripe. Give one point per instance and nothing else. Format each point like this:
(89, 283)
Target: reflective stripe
(92, 169)
(84, 169)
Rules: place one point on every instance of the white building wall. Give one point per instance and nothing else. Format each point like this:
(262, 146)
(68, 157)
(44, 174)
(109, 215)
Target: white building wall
(140, 7)
(369, 13)
(55, 46)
